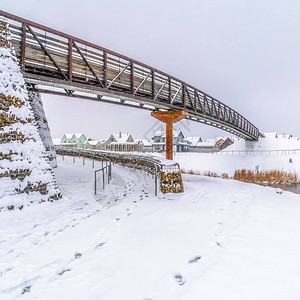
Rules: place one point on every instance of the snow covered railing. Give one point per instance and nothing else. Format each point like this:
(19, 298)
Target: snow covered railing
(167, 172)
(259, 152)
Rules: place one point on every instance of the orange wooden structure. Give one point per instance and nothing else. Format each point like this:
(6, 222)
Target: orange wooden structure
(169, 117)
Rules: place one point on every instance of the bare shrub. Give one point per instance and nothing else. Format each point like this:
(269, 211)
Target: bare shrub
(210, 174)
(273, 177)
(225, 176)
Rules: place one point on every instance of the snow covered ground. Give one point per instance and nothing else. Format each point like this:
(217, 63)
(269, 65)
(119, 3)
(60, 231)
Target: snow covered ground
(219, 164)
(280, 157)
(221, 239)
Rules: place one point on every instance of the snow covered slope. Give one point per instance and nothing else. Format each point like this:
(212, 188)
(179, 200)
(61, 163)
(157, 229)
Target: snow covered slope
(221, 239)
(257, 154)
(272, 141)
(25, 173)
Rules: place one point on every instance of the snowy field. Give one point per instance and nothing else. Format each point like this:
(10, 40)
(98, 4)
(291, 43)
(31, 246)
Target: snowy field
(219, 164)
(220, 239)
(281, 157)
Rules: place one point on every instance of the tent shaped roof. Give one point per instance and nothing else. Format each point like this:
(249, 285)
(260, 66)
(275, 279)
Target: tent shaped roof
(121, 137)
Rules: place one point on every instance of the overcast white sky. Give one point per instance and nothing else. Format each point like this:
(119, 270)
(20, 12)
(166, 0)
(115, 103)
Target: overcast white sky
(244, 53)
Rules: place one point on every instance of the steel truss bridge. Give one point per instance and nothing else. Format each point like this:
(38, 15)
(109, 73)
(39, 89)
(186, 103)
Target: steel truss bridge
(57, 63)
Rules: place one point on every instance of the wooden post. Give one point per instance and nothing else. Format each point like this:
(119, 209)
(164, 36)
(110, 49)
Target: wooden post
(23, 47)
(105, 68)
(169, 117)
(70, 58)
(169, 140)
(132, 78)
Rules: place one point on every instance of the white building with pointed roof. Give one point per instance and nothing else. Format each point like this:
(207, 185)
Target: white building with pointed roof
(120, 142)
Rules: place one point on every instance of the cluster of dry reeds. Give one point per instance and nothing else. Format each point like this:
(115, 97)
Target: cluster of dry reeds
(205, 173)
(191, 172)
(274, 177)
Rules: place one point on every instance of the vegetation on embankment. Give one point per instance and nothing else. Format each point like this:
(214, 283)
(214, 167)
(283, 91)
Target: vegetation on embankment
(205, 173)
(270, 178)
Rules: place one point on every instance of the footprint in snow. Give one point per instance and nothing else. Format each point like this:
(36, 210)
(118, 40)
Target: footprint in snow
(63, 271)
(25, 235)
(194, 259)
(26, 289)
(5, 271)
(99, 245)
(179, 279)
(77, 255)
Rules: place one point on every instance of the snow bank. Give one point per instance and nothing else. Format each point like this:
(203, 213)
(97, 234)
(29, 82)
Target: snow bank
(266, 153)
(25, 173)
(221, 239)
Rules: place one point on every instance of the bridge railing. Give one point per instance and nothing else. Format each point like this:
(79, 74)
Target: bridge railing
(46, 54)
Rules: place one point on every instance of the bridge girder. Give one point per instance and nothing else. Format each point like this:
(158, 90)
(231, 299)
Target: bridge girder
(61, 64)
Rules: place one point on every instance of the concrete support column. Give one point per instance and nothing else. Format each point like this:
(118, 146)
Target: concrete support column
(169, 117)
(39, 114)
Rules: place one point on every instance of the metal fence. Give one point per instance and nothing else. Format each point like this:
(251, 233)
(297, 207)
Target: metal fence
(106, 169)
(149, 164)
(258, 152)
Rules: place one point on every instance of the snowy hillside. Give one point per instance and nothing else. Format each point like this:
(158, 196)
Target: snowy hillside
(221, 239)
(247, 155)
(25, 171)
(272, 141)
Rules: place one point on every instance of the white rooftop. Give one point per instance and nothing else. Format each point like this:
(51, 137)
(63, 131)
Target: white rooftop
(121, 137)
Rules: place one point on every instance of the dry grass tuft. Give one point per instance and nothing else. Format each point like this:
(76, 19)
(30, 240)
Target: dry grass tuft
(191, 172)
(274, 177)
(210, 174)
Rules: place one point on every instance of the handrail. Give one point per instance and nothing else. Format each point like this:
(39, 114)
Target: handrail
(155, 165)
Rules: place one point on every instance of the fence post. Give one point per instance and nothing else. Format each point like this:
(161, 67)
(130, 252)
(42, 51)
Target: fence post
(93, 162)
(95, 183)
(103, 178)
(155, 180)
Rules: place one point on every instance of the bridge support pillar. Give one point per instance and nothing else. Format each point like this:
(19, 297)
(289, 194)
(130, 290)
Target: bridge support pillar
(35, 100)
(169, 117)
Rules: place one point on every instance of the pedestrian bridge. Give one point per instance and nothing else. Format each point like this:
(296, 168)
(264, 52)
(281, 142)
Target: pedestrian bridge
(57, 63)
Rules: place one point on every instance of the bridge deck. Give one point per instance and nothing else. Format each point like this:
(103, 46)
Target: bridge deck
(61, 64)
